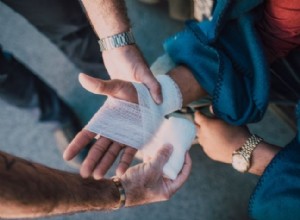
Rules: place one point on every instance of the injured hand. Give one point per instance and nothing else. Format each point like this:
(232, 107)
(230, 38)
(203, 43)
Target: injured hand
(143, 125)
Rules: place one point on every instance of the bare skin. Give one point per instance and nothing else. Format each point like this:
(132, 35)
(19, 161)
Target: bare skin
(127, 63)
(30, 190)
(219, 139)
(104, 152)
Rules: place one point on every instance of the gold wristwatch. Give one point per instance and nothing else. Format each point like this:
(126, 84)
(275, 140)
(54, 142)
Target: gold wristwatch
(241, 158)
(117, 40)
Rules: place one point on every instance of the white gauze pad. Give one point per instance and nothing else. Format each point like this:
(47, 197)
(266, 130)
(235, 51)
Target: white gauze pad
(180, 133)
(134, 124)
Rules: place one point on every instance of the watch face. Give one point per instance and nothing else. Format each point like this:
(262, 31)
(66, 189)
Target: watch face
(239, 163)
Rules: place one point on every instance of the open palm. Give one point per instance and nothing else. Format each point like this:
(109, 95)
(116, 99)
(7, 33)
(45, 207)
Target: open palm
(104, 151)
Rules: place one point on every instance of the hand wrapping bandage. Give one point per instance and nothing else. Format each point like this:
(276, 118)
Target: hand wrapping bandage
(179, 132)
(137, 125)
(134, 124)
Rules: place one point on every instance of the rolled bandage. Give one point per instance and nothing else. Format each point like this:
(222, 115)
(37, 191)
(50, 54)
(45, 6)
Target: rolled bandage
(134, 124)
(180, 133)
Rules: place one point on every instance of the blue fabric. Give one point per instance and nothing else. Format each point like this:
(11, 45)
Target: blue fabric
(226, 58)
(277, 194)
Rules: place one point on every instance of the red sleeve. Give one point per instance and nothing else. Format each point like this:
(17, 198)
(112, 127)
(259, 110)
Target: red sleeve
(280, 27)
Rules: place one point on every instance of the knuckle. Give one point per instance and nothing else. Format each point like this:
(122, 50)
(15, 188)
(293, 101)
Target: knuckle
(99, 148)
(112, 153)
(100, 87)
(130, 151)
(124, 163)
(164, 153)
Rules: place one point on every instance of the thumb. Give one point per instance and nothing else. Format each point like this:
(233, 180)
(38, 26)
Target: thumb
(200, 118)
(162, 156)
(154, 87)
(97, 86)
(116, 88)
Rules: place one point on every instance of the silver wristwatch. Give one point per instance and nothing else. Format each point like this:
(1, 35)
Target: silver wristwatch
(241, 158)
(117, 40)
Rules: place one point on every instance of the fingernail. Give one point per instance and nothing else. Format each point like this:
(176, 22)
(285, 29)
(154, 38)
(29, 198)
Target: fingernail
(84, 175)
(65, 156)
(97, 177)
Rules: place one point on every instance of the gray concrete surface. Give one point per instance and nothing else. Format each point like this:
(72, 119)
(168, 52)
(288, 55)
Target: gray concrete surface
(214, 191)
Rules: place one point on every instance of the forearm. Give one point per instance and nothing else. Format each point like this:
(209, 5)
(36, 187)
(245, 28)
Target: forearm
(190, 89)
(32, 190)
(108, 17)
(261, 157)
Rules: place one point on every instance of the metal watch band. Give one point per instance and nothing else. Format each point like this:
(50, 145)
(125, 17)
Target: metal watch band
(117, 182)
(249, 146)
(117, 40)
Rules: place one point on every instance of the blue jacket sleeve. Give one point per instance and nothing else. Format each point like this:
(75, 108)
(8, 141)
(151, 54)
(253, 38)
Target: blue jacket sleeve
(226, 57)
(277, 194)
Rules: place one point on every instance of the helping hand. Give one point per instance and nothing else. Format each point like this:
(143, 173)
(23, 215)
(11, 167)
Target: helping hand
(104, 151)
(144, 183)
(219, 139)
(127, 63)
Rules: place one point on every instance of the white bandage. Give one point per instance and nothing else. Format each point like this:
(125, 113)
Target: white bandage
(178, 132)
(134, 124)
(137, 125)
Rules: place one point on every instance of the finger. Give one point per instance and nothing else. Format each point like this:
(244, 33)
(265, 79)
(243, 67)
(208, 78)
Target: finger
(107, 160)
(200, 118)
(95, 154)
(125, 161)
(162, 156)
(198, 130)
(98, 86)
(115, 88)
(79, 142)
(183, 175)
(153, 85)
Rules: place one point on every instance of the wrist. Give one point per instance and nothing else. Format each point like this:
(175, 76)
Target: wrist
(135, 192)
(116, 41)
(98, 195)
(262, 155)
(124, 51)
(236, 144)
(121, 190)
(190, 91)
(127, 185)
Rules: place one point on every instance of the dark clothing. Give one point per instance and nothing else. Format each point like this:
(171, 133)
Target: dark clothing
(277, 194)
(20, 87)
(65, 24)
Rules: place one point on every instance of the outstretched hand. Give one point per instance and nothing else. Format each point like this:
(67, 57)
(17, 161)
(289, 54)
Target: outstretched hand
(104, 151)
(145, 183)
